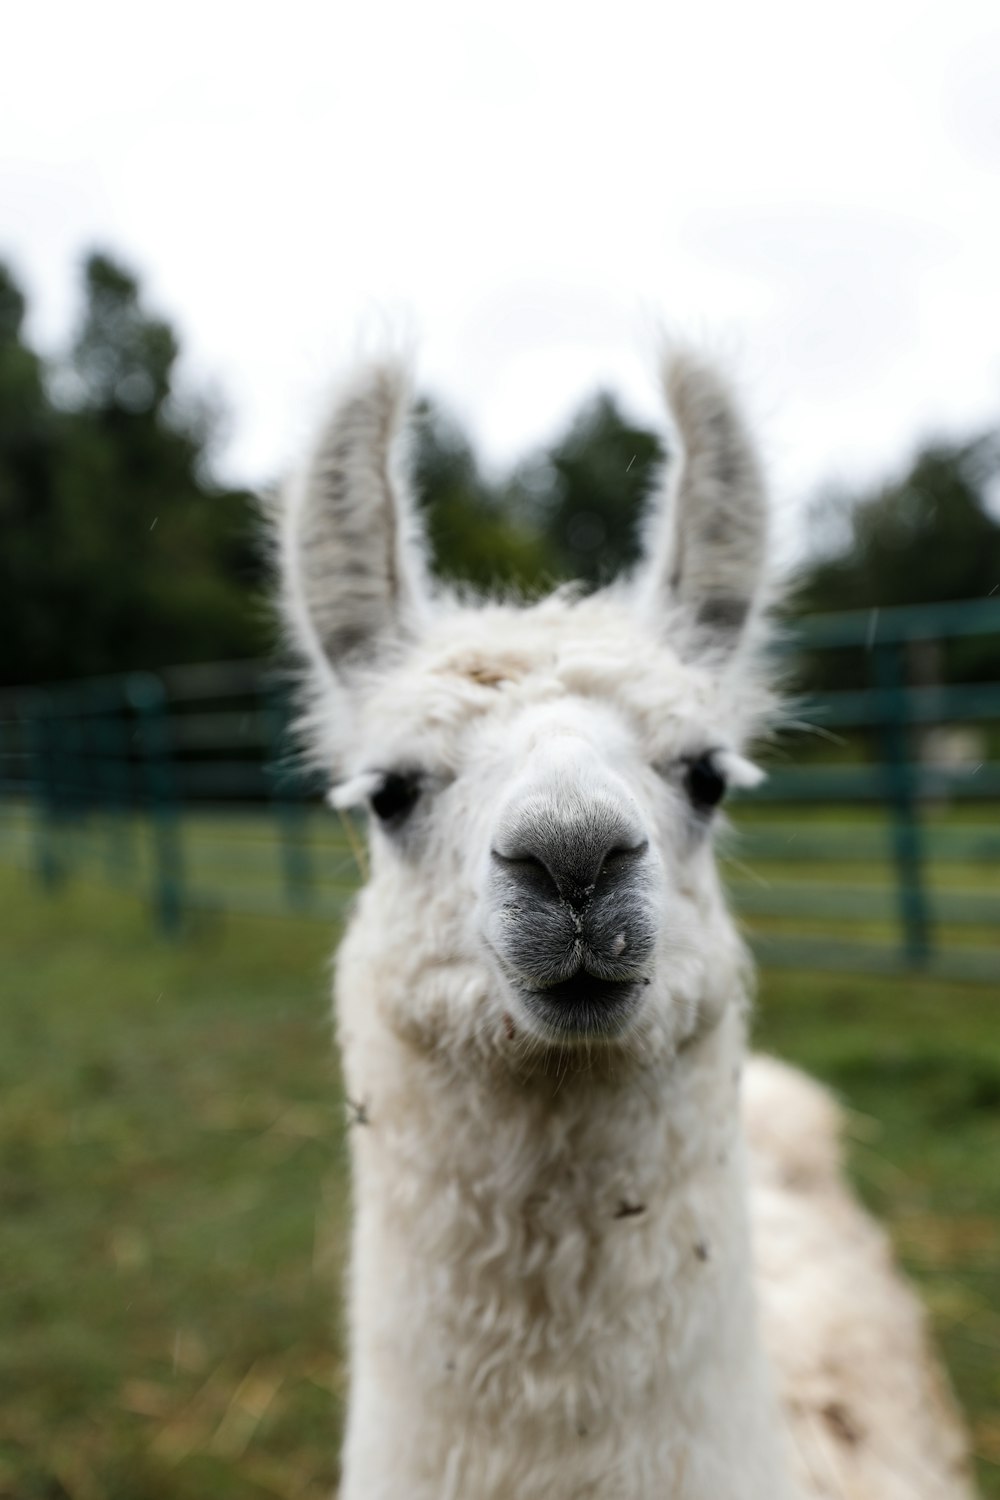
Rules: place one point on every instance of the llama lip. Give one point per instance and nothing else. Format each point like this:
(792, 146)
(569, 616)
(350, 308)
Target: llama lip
(586, 989)
(584, 1005)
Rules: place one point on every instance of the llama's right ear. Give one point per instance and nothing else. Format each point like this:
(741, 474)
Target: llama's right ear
(704, 569)
(351, 549)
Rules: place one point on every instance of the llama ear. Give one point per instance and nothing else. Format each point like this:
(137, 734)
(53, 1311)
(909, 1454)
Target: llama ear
(707, 537)
(351, 544)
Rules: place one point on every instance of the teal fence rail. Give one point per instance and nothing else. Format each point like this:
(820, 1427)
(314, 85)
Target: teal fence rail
(873, 845)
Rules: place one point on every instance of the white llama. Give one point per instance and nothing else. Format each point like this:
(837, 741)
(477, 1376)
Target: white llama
(570, 1278)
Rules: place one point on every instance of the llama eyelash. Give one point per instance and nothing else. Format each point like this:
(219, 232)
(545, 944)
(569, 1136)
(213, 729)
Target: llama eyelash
(354, 792)
(724, 767)
(737, 770)
(389, 795)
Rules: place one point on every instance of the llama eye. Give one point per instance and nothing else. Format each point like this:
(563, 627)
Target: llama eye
(704, 783)
(394, 798)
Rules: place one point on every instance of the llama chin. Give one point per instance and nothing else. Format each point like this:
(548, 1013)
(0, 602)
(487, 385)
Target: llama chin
(597, 1254)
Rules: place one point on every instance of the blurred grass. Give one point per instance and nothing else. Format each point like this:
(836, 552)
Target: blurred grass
(172, 1205)
(917, 1063)
(172, 1191)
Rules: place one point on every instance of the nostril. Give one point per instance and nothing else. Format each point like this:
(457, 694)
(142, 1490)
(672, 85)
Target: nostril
(627, 851)
(531, 873)
(573, 874)
(622, 857)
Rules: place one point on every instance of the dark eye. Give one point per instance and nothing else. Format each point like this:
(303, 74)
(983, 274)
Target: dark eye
(395, 797)
(704, 783)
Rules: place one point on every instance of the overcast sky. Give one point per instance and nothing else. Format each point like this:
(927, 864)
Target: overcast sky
(528, 190)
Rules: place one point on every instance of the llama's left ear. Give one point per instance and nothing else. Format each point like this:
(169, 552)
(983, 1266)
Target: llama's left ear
(707, 536)
(351, 545)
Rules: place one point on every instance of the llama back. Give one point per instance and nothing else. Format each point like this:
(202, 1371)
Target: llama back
(868, 1413)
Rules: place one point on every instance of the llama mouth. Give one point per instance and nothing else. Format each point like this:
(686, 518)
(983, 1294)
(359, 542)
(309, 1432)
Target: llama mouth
(584, 1006)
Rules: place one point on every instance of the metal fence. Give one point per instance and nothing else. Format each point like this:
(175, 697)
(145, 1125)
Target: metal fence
(873, 845)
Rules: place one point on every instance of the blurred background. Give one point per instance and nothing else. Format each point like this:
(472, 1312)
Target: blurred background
(205, 214)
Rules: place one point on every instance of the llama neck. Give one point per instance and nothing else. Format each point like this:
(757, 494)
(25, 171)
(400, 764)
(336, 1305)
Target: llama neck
(551, 1287)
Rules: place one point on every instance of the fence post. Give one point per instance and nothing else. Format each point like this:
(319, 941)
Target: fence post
(289, 807)
(901, 790)
(38, 740)
(148, 697)
(109, 737)
(70, 772)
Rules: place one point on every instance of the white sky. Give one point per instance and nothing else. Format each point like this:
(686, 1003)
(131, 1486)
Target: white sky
(528, 190)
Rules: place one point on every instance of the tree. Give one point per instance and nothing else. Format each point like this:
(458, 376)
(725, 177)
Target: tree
(28, 439)
(925, 537)
(587, 493)
(122, 359)
(126, 554)
(121, 551)
(473, 535)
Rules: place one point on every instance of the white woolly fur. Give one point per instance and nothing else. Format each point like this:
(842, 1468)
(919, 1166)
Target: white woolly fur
(582, 1269)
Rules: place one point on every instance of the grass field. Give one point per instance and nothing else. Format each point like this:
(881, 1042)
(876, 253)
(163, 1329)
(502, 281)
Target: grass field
(173, 1190)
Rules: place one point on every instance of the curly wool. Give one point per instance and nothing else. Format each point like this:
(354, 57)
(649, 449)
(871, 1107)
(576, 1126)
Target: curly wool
(581, 1271)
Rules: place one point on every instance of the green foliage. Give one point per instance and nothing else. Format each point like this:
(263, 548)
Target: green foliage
(570, 511)
(122, 358)
(926, 537)
(121, 553)
(586, 493)
(472, 536)
(28, 432)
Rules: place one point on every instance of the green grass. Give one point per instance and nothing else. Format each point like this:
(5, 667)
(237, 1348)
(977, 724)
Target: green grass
(917, 1063)
(173, 1208)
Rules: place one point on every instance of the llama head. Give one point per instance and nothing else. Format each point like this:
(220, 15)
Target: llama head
(542, 780)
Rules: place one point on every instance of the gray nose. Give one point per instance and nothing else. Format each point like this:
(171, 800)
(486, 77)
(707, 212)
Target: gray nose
(569, 860)
(573, 892)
